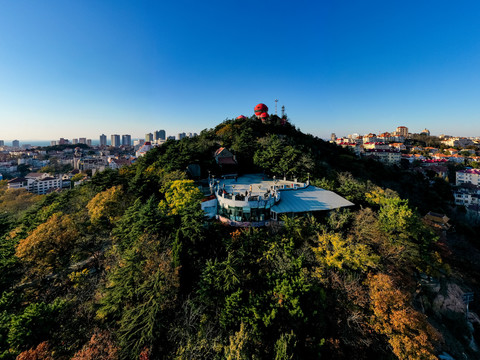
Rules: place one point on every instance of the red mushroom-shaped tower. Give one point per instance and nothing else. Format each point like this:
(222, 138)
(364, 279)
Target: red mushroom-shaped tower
(241, 117)
(263, 116)
(260, 108)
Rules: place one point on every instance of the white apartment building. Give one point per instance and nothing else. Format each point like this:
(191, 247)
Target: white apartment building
(469, 176)
(376, 146)
(389, 157)
(37, 183)
(468, 193)
(466, 197)
(458, 142)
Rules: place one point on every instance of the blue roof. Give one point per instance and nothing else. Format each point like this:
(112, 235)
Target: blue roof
(309, 199)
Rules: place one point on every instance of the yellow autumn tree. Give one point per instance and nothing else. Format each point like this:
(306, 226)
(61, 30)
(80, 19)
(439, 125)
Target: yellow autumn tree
(237, 344)
(50, 245)
(334, 251)
(107, 206)
(182, 194)
(15, 201)
(408, 332)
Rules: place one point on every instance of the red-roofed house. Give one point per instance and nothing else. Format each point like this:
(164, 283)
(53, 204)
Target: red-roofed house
(226, 160)
(224, 157)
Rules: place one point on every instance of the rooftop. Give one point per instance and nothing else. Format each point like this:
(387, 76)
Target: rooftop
(259, 183)
(296, 197)
(470, 171)
(16, 180)
(309, 199)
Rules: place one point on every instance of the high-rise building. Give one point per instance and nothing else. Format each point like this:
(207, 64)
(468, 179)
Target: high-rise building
(74, 141)
(2, 143)
(115, 140)
(103, 140)
(402, 131)
(16, 143)
(63, 141)
(89, 142)
(159, 135)
(181, 136)
(149, 137)
(82, 140)
(126, 140)
(333, 137)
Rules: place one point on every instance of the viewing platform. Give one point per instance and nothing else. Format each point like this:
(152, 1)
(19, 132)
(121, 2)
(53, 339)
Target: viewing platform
(255, 200)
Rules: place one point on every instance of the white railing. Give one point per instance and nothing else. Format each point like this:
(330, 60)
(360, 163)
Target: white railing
(251, 202)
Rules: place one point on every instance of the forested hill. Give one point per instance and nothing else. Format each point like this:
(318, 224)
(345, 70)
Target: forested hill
(125, 266)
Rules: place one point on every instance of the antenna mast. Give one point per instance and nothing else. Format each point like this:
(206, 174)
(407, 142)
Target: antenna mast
(276, 101)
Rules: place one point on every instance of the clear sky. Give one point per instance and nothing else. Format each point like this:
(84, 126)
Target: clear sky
(81, 68)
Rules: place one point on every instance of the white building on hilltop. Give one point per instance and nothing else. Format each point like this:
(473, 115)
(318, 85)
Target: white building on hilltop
(253, 200)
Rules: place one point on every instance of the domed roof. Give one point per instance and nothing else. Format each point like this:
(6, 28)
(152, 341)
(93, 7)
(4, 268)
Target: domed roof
(260, 108)
(241, 117)
(264, 115)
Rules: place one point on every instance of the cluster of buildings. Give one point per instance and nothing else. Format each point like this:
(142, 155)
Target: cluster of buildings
(384, 147)
(120, 151)
(15, 162)
(158, 137)
(76, 160)
(459, 142)
(391, 148)
(63, 141)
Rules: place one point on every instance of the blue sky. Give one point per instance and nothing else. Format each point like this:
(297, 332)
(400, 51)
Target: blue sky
(81, 68)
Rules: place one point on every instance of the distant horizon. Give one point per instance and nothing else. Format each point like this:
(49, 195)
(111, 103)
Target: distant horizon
(133, 138)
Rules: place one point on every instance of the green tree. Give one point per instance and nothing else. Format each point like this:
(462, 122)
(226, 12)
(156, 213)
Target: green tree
(34, 324)
(140, 296)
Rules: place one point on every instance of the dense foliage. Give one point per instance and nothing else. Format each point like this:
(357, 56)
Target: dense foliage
(125, 266)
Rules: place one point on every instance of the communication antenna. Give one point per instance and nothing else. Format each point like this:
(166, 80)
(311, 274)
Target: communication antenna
(276, 101)
(283, 111)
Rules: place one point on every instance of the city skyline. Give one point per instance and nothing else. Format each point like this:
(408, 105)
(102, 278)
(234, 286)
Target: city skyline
(178, 136)
(116, 67)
